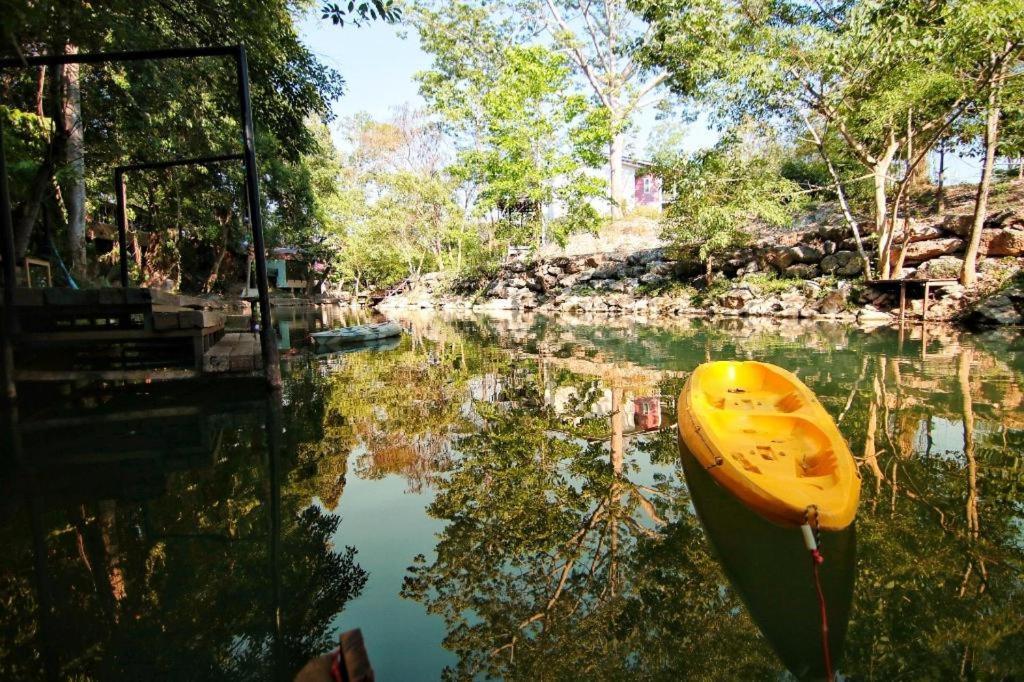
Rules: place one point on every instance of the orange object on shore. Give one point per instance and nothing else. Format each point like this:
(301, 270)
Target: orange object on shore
(763, 435)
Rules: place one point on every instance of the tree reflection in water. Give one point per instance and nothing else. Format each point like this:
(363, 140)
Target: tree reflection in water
(569, 548)
(566, 556)
(180, 559)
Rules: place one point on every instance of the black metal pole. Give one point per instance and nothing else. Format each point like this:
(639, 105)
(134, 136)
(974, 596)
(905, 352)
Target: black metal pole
(10, 319)
(268, 342)
(122, 224)
(273, 424)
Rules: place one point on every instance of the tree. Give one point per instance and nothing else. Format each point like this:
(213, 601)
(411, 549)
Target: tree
(113, 110)
(720, 194)
(877, 78)
(522, 138)
(602, 41)
(997, 29)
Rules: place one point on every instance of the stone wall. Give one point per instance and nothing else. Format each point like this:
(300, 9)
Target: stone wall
(816, 273)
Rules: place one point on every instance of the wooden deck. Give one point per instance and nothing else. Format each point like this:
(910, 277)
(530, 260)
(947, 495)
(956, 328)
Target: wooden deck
(236, 352)
(114, 334)
(925, 285)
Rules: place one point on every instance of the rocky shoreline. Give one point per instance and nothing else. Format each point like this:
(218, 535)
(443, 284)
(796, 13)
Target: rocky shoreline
(813, 273)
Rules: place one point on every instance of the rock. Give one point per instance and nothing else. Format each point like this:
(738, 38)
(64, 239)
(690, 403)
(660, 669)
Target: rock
(499, 304)
(832, 232)
(571, 266)
(607, 271)
(959, 225)
(652, 278)
(618, 301)
(833, 302)
(922, 233)
(810, 288)
(944, 267)
(780, 258)
(568, 281)
(660, 267)
(805, 253)
(870, 313)
(517, 282)
(736, 298)
(842, 263)
(918, 252)
(540, 283)
(635, 271)
(687, 268)
(1004, 307)
(1002, 242)
(828, 247)
(585, 275)
(803, 271)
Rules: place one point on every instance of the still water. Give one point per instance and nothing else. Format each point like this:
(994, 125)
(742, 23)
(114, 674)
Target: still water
(505, 498)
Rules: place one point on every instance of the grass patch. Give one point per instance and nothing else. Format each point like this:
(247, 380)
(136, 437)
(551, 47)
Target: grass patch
(767, 283)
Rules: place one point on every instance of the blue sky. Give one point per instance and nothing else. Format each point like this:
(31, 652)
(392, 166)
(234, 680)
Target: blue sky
(378, 65)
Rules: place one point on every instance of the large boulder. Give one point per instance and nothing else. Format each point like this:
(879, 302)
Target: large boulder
(943, 267)
(1003, 307)
(780, 258)
(806, 253)
(919, 252)
(803, 271)
(923, 233)
(833, 302)
(958, 224)
(736, 299)
(652, 278)
(1002, 242)
(869, 313)
(607, 271)
(844, 263)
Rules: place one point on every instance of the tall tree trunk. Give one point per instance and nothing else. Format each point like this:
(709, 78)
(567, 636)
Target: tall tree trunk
(883, 228)
(27, 213)
(920, 177)
(940, 193)
(615, 156)
(74, 154)
(222, 251)
(969, 275)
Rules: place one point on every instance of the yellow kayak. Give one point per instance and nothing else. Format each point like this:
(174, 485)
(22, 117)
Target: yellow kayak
(762, 434)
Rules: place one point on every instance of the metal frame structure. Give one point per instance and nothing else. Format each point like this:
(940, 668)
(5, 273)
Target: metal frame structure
(268, 343)
(120, 189)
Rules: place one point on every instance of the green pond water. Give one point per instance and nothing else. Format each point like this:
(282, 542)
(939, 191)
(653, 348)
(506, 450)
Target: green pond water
(505, 498)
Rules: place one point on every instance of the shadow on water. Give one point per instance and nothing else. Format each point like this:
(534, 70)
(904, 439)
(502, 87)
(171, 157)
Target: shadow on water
(159, 545)
(770, 569)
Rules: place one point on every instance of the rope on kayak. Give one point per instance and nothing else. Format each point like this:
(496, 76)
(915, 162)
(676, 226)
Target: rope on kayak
(811, 542)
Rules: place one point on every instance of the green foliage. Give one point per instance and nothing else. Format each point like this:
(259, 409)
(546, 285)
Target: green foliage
(361, 12)
(722, 194)
(768, 284)
(523, 137)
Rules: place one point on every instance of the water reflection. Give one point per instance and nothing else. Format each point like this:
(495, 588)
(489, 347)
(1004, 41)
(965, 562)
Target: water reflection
(149, 538)
(543, 454)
